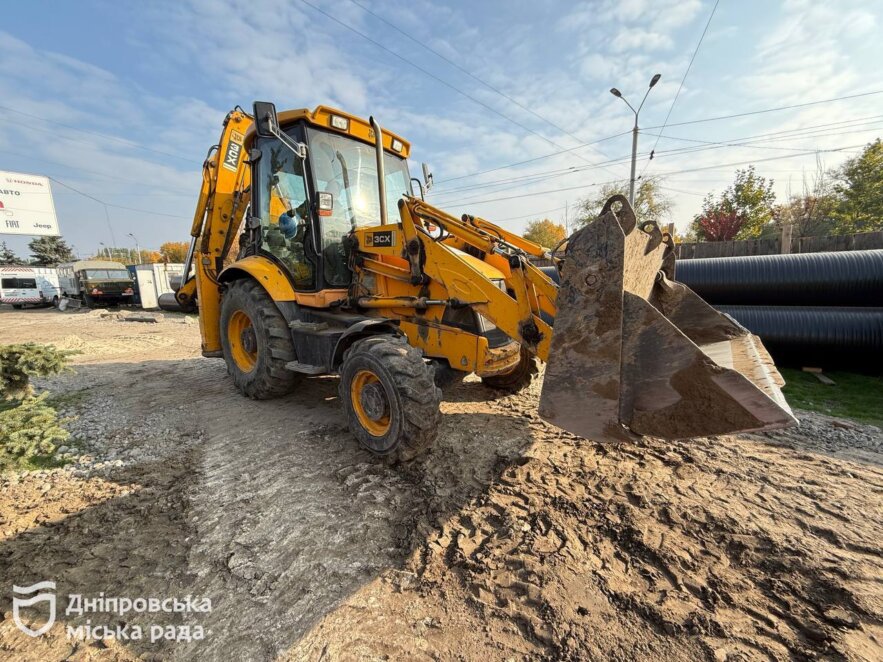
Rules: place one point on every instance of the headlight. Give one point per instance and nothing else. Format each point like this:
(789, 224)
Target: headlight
(341, 123)
(397, 145)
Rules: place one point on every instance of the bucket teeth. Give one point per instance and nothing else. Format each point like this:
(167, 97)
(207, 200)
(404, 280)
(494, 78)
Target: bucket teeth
(634, 353)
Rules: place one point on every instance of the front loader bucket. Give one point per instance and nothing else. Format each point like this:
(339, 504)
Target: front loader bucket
(635, 353)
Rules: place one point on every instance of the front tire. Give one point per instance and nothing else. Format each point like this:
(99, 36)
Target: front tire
(390, 397)
(518, 378)
(256, 342)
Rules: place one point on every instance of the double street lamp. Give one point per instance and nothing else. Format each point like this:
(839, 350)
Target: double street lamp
(617, 93)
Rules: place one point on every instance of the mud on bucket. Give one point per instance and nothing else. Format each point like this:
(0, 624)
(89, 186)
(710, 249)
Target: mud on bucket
(635, 353)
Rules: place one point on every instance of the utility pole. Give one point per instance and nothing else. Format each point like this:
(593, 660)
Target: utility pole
(617, 93)
(137, 247)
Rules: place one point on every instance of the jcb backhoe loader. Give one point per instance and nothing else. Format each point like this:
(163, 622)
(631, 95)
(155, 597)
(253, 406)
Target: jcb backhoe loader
(343, 269)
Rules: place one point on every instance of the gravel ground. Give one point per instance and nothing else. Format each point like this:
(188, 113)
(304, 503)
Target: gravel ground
(509, 540)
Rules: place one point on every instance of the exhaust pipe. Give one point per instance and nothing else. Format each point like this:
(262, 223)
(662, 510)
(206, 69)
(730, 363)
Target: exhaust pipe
(381, 179)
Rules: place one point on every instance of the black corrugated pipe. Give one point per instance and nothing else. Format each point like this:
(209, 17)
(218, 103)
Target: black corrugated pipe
(825, 337)
(849, 278)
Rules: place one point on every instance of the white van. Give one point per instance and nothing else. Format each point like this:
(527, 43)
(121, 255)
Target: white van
(28, 286)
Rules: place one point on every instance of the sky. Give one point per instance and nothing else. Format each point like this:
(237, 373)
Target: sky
(121, 101)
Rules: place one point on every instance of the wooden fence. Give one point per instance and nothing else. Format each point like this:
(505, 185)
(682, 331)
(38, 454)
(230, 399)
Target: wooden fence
(773, 245)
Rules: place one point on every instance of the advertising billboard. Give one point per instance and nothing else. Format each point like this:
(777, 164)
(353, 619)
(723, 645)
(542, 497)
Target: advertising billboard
(26, 205)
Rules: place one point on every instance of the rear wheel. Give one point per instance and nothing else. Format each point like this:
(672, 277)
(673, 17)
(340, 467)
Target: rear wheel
(256, 342)
(518, 378)
(389, 396)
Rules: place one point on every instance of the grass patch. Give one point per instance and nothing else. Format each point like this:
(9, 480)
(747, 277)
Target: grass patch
(853, 396)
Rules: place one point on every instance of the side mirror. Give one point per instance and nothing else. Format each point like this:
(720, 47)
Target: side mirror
(427, 176)
(265, 120)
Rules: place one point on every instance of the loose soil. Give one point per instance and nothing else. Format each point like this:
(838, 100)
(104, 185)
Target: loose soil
(510, 540)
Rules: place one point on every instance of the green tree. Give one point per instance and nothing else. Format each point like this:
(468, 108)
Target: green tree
(7, 255)
(651, 204)
(859, 189)
(545, 233)
(50, 251)
(750, 197)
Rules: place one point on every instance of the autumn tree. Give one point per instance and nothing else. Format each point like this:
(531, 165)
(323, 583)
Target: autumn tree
(719, 225)
(750, 197)
(174, 251)
(858, 185)
(651, 204)
(50, 251)
(545, 233)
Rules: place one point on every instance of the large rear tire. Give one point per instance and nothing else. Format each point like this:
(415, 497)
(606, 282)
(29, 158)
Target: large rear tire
(390, 397)
(256, 342)
(518, 378)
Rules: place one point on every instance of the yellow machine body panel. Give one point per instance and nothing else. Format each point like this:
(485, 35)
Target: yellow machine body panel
(630, 352)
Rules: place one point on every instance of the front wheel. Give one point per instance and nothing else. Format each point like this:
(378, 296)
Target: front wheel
(390, 397)
(256, 342)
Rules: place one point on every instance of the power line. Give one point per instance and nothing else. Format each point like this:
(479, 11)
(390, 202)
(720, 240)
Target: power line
(681, 86)
(698, 121)
(770, 110)
(128, 143)
(745, 141)
(750, 144)
(434, 77)
(667, 174)
(108, 204)
(463, 70)
(537, 213)
(100, 175)
(536, 158)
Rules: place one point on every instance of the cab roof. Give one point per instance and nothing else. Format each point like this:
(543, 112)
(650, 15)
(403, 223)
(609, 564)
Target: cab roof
(357, 127)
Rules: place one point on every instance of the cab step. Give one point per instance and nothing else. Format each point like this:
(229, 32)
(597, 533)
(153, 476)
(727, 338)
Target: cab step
(305, 368)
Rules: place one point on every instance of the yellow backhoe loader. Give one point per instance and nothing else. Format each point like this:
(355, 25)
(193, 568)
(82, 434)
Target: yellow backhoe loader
(343, 268)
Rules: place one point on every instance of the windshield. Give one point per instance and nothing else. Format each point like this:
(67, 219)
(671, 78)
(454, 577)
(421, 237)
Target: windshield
(347, 169)
(114, 274)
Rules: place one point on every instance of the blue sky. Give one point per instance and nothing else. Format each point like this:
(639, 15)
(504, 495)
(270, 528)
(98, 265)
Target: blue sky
(145, 87)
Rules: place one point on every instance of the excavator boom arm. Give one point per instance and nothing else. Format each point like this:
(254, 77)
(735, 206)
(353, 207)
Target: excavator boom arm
(223, 198)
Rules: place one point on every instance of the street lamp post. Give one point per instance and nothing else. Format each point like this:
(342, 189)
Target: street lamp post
(617, 93)
(137, 247)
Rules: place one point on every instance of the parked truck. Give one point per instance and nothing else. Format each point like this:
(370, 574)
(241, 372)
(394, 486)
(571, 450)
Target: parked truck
(22, 286)
(96, 282)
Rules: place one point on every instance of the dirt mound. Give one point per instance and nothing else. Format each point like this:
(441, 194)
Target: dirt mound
(510, 540)
(725, 548)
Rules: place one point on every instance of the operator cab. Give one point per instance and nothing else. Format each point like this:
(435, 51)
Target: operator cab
(314, 180)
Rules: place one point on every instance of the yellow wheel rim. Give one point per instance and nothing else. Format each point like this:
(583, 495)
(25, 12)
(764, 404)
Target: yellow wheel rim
(370, 403)
(243, 341)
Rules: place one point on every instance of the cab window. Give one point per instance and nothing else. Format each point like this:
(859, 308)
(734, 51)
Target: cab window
(284, 212)
(347, 169)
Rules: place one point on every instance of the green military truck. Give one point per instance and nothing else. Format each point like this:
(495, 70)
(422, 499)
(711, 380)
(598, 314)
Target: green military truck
(96, 282)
